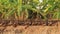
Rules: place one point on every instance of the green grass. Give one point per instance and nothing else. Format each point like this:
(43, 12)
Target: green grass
(12, 7)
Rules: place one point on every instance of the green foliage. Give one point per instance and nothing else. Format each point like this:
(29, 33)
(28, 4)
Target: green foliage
(10, 6)
(43, 7)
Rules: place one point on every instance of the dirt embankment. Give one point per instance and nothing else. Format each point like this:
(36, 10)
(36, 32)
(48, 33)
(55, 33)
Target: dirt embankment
(31, 30)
